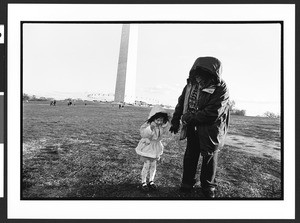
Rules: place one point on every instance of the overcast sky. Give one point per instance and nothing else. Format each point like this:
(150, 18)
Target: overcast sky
(73, 60)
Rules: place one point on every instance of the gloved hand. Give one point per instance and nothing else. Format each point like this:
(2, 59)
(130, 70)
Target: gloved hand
(187, 118)
(173, 129)
(174, 126)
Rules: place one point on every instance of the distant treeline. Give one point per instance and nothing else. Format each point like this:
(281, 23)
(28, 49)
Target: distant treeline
(241, 112)
(238, 112)
(235, 111)
(27, 97)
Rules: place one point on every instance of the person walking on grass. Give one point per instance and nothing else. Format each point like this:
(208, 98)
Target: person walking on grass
(204, 111)
(150, 147)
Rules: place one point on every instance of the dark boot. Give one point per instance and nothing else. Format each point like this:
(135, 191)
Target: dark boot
(209, 192)
(186, 188)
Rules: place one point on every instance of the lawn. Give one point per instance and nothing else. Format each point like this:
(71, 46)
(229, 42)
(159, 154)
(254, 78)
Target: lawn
(87, 152)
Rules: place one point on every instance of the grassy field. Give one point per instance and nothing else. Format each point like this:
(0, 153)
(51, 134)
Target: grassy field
(87, 152)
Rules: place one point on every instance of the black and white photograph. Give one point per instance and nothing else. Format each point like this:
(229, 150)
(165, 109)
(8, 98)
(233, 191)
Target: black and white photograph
(93, 96)
(116, 110)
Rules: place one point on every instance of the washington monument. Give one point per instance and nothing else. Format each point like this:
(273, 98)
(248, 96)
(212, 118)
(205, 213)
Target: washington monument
(126, 75)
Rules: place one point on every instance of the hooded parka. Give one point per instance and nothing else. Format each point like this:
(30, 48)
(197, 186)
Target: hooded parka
(211, 118)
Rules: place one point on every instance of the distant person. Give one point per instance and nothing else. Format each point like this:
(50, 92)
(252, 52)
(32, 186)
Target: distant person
(53, 103)
(204, 111)
(150, 147)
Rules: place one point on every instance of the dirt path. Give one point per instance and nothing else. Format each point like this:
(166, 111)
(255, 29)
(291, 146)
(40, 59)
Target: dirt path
(257, 147)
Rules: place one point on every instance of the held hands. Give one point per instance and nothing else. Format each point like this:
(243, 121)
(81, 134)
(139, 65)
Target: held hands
(187, 118)
(174, 127)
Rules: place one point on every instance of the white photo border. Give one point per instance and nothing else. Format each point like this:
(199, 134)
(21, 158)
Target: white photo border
(127, 209)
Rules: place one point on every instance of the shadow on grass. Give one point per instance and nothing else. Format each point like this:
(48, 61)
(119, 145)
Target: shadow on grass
(126, 191)
(133, 191)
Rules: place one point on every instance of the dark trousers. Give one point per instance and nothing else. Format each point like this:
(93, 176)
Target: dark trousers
(190, 162)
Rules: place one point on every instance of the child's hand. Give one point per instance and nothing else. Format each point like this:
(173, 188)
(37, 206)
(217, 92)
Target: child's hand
(152, 125)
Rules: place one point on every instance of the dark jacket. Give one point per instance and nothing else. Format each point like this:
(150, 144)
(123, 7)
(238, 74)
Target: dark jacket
(211, 118)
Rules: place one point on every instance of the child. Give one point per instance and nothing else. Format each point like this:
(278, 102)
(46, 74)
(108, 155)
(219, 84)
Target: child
(150, 147)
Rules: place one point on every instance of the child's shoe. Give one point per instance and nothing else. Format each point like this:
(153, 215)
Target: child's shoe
(144, 187)
(152, 185)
